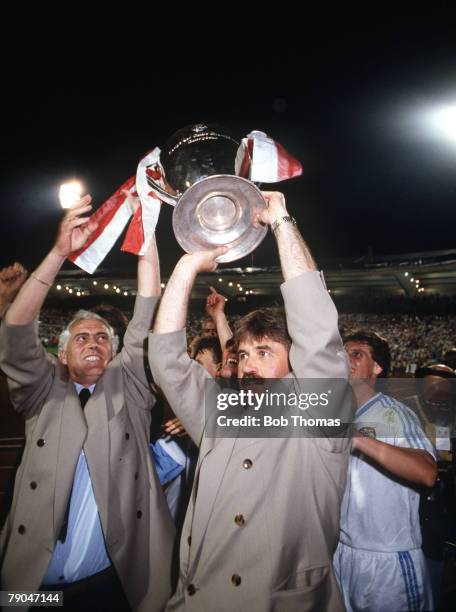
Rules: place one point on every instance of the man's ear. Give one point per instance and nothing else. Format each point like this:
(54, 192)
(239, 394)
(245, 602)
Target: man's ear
(377, 369)
(63, 357)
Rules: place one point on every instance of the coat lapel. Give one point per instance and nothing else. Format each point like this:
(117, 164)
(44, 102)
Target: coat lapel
(73, 429)
(208, 480)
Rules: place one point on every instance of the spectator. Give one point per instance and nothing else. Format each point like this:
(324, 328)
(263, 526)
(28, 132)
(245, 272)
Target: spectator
(11, 280)
(379, 563)
(207, 353)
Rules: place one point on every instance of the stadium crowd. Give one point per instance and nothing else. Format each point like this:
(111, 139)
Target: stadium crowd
(414, 340)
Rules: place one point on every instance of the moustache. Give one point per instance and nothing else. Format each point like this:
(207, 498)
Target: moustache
(250, 382)
(249, 376)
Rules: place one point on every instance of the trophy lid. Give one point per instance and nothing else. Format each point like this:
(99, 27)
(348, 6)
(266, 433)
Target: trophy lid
(219, 210)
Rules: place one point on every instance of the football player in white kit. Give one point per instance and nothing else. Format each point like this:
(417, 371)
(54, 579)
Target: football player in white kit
(379, 562)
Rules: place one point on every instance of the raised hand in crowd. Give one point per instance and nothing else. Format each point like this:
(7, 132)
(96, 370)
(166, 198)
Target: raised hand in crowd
(11, 280)
(215, 304)
(215, 308)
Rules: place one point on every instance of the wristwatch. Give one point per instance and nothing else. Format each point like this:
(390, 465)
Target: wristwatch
(286, 219)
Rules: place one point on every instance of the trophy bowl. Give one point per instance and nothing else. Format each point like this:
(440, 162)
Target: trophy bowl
(219, 210)
(191, 154)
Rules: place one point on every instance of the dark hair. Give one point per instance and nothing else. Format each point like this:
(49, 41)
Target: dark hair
(230, 346)
(379, 347)
(209, 343)
(262, 322)
(449, 358)
(434, 368)
(115, 317)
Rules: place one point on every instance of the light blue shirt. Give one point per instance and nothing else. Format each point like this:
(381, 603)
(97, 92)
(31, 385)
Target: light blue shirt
(170, 461)
(84, 551)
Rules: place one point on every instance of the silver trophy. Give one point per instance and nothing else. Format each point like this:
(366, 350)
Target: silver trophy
(212, 206)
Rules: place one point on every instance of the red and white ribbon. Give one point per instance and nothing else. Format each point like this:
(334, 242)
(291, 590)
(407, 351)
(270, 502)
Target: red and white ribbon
(148, 211)
(263, 160)
(259, 158)
(112, 217)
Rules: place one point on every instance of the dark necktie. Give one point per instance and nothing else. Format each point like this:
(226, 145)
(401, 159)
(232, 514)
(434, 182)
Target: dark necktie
(84, 395)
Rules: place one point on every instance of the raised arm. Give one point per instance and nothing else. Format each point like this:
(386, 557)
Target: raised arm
(73, 232)
(11, 280)
(149, 272)
(295, 256)
(148, 293)
(181, 379)
(22, 357)
(172, 314)
(316, 353)
(317, 350)
(215, 308)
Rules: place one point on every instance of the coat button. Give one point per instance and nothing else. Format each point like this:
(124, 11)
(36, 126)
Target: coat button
(236, 579)
(191, 589)
(33, 485)
(247, 464)
(127, 436)
(189, 540)
(136, 475)
(21, 529)
(139, 514)
(239, 520)
(41, 442)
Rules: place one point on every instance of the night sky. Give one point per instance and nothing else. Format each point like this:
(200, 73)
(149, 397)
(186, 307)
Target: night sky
(86, 95)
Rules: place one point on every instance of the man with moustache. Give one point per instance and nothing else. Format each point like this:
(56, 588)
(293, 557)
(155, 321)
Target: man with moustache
(263, 521)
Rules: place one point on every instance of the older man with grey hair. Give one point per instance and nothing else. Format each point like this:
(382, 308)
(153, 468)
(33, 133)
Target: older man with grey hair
(87, 315)
(88, 516)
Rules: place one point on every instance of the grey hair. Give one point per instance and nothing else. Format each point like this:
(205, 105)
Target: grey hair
(87, 315)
